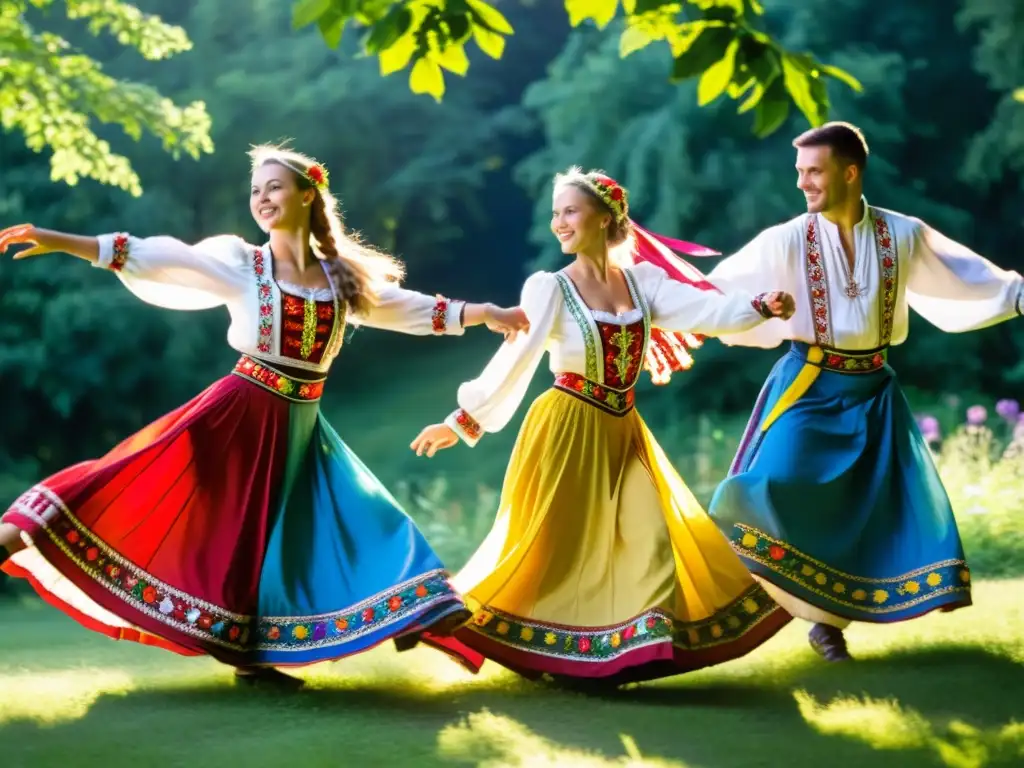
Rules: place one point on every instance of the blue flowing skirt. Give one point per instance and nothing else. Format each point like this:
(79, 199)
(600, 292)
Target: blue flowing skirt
(838, 501)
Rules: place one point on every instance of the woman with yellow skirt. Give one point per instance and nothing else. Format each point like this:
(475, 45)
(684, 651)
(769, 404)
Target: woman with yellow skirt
(601, 564)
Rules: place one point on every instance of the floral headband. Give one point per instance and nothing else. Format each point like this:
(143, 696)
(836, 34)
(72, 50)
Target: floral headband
(611, 193)
(318, 176)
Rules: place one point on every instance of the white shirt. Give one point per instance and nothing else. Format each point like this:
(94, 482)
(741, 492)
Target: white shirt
(227, 271)
(563, 326)
(952, 287)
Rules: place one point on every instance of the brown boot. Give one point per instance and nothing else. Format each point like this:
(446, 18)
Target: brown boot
(829, 643)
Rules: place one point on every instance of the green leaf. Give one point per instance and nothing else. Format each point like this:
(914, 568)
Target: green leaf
(308, 11)
(772, 110)
(459, 27)
(716, 78)
(453, 58)
(798, 84)
(397, 57)
(600, 11)
(705, 49)
(633, 39)
(843, 76)
(426, 77)
(332, 26)
(388, 30)
(490, 17)
(489, 42)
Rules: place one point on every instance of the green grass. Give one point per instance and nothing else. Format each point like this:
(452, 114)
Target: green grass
(940, 691)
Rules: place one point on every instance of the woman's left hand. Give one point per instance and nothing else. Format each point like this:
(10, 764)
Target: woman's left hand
(434, 438)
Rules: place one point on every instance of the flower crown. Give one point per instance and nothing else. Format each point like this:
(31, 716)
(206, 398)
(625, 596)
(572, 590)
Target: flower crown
(611, 193)
(318, 176)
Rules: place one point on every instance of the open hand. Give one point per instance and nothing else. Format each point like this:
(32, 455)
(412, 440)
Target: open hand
(780, 304)
(434, 438)
(22, 233)
(508, 322)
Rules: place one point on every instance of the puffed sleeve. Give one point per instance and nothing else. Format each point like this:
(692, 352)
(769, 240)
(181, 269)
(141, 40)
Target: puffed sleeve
(488, 402)
(169, 273)
(404, 311)
(683, 308)
(954, 288)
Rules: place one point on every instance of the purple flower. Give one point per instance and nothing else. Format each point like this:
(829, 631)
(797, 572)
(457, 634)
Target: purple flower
(929, 426)
(977, 415)
(1008, 409)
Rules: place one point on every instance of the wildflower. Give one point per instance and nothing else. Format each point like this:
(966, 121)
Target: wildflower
(1008, 409)
(977, 415)
(929, 426)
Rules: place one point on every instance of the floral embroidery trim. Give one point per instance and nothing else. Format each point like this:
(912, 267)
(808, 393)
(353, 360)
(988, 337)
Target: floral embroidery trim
(296, 390)
(134, 586)
(600, 644)
(616, 402)
(304, 633)
(888, 266)
(468, 424)
(309, 323)
(439, 317)
(867, 595)
(583, 320)
(265, 296)
(120, 254)
(853, 362)
(817, 288)
(209, 623)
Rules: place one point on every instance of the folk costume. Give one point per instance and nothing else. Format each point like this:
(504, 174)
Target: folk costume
(833, 500)
(240, 525)
(601, 563)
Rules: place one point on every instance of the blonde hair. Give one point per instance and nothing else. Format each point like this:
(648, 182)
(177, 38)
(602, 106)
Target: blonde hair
(357, 270)
(598, 185)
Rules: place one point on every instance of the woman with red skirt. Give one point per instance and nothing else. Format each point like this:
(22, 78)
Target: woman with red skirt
(240, 525)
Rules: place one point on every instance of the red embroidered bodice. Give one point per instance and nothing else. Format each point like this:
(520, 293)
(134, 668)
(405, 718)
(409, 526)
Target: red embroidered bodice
(306, 327)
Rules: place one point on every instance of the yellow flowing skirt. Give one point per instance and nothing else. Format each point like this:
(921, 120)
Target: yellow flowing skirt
(601, 563)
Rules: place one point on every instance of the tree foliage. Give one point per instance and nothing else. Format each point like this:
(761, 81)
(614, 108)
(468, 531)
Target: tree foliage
(54, 93)
(720, 43)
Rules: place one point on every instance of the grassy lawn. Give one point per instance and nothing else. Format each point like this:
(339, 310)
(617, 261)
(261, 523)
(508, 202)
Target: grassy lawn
(942, 691)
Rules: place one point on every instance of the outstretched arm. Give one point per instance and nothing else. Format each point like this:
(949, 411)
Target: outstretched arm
(488, 402)
(683, 308)
(404, 311)
(957, 290)
(160, 270)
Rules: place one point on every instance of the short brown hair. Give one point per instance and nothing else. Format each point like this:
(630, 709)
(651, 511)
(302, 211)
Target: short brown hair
(846, 141)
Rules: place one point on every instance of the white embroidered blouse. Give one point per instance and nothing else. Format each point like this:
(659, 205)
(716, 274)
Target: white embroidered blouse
(594, 355)
(901, 263)
(225, 270)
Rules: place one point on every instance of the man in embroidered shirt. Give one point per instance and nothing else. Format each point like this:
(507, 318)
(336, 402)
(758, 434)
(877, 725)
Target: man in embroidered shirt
(833, 499)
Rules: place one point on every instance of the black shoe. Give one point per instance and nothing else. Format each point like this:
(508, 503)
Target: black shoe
(829, 643)
(267, 676)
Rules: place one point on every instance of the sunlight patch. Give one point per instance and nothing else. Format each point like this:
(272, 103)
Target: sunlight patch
(51, 698)
(884, 724)
(487, 740)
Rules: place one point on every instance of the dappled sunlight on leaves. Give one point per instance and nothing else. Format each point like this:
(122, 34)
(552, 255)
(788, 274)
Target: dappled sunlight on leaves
(489, 740)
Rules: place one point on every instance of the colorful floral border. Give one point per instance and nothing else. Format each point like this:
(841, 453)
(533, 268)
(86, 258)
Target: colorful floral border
(210, 623)
(866, 595)
(612, 401)
(601, 644)
(291, 389)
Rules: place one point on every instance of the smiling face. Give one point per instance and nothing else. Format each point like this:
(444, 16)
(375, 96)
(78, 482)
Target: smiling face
(577, 219)
(825, 182)
(275, 199)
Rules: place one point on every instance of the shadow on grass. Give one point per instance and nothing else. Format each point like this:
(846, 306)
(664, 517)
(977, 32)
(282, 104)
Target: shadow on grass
(932, 707)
